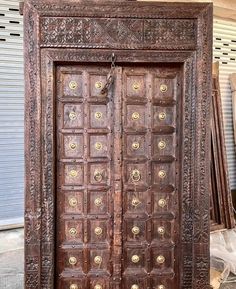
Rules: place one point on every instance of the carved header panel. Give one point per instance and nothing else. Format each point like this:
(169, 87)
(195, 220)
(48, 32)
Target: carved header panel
(118, 33)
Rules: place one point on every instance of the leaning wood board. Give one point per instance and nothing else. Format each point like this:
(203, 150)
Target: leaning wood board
(117, 183)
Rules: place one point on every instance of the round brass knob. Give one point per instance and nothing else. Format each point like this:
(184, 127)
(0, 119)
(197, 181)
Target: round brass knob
(162, 174)
(161, 230)
(73, 85)
(98, 286)
(74, 286)
(72, 261)
(135, 258)
(163, 88)
(135, 145)
(73, 202)
(73, 146)
(98, 231)
(98, 115)
(135, 175)
(72, 115)
(161, 145)
(98, 202)
(98, 84)
(98, 176)
(135, 202)
(73, 231)
(162, 115)
(160, 259)
(135, 116)
(98, 146)
(162, 203)
(161, 287)
(98, 260)
(73, 173)
(136, 86)
(134, 286)
(135, 230)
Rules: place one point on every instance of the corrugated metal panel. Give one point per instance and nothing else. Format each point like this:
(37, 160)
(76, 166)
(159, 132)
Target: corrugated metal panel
(224, 51)
(11, 114)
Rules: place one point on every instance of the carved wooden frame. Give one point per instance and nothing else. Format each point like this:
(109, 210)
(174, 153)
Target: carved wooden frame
(40, 61)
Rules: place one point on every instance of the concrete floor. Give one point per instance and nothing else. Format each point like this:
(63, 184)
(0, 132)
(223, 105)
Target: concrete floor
(12, 260)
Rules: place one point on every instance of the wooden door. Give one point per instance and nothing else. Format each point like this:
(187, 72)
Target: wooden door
(133, 161)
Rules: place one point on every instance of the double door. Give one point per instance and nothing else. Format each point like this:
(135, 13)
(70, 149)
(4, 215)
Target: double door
(118, 171)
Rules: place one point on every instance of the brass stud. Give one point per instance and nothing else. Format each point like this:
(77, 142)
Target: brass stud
(162, 174)
(162, 115)
(98, 146)
(72, 115)
(161, 287)
(135, 116)
(73, 231)
(74, 286)
(135, 175)
(98, 286)
(98, 84)
(136, 86)
(162, 145)
(134, 286)
(73, 85)
(135, 230)
(135, 258)
(163, 88)
(72, 261)
(161, 230)
(98, 260)
(73, 146)
(162, 203)
(135, 202)
(98, 202)
(73, 202)
(73, 173)
(98, 176)
(98, 115)
(98, 231)
(135, 145)
(160, 259)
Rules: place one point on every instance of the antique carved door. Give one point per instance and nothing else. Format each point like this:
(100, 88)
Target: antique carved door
(117, 138)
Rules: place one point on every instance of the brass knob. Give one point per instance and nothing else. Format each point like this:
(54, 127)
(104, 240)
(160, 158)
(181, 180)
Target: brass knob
(135, 258)
(162, 115)
(162, 174)
(73, 231)
(73, 173)
(135, 145)
(161, 287)
(98, 286)
(98, 176)
(98, 202)
(136, 86)
(135, 230)
(73, 202)
(98, 260)
(161, 230)
(135, 202)
(160, 259)
(163, 88)
(72, 261)
(98, 84)
(98, 115)
(161, 145)
(72, 115)
(98, 231)
(73, 146)
(135, 116)
(98, 146)
(162, 203)
(135, 175)
(134, 286)
(73, 85)
(74, 286)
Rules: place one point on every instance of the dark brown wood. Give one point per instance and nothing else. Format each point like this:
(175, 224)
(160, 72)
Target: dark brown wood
(222, 215)
(100, 167)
